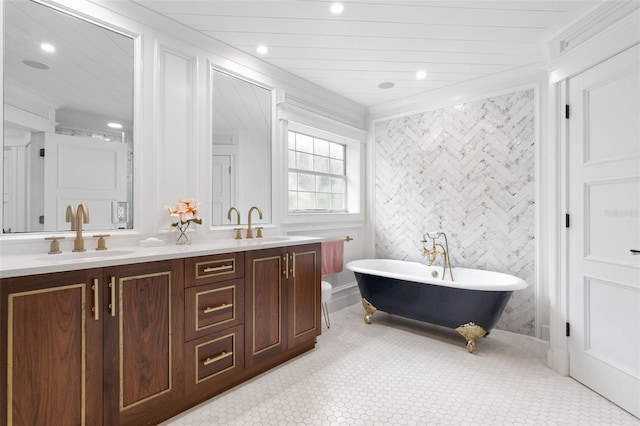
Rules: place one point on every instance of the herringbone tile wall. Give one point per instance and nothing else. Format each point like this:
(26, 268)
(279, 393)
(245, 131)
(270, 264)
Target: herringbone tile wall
(468, 170)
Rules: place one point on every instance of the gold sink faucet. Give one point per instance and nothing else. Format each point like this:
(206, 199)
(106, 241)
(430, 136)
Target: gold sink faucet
(71, 217)
(238, 235)
(249, 230)
(81, 216)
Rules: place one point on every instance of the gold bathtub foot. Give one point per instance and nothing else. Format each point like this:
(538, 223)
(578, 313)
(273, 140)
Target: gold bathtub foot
(369, 309)
(471, 331)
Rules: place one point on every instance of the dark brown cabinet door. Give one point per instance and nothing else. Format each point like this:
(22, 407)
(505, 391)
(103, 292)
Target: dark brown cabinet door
(282, 301)
(266, 273)
(303, 290)
(52, 358)
(144, 326)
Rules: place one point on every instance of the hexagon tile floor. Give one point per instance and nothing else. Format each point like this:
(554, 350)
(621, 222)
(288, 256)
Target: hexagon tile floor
(401, 372)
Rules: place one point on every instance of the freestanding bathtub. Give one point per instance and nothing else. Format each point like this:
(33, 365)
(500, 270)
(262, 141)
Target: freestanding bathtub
(472, 304)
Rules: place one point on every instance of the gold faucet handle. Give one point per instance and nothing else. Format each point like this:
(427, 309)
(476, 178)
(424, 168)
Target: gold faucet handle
(238, 233)
(55, 244)
(102, 244)
(259, 232)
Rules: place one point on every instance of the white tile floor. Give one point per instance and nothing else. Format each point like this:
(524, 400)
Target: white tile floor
(401, 372)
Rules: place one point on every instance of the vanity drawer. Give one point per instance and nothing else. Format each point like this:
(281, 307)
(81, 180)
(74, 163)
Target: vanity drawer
(211, 307)
(214, 360)
(214, 268)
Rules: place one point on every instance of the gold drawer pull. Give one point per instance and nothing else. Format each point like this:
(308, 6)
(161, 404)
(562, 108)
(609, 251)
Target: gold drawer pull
(218, 268)
(223, 355)
(285, 258)
(112, 304)
(217, 308)
(96, 292)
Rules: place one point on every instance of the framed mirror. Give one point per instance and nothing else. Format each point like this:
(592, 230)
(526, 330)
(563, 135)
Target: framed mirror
(241, 154)
(68, 120)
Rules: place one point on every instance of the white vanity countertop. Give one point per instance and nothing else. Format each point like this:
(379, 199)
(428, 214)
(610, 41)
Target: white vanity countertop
(43, 263)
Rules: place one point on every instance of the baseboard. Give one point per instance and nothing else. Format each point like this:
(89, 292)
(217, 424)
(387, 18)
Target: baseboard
(343, 296)
(558, 361)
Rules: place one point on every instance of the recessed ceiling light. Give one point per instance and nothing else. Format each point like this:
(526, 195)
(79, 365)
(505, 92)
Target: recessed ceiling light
(337, 8)
(47, 47)
(386, 85)
(35, 64)
(115, 125)
(262, 49)
(421, 75)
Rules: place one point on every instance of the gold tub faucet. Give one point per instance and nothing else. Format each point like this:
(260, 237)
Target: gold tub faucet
(249, 230)
(81, 216)
(436, 250)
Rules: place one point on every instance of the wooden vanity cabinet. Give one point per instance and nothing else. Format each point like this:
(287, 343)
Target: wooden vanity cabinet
(96, 346)
(214, 324)
(52, 361)
(143, 342)
(282, 302)
(140, 343)
(303, 299)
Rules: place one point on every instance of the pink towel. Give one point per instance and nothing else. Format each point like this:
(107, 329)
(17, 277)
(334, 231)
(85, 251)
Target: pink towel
(332, 256)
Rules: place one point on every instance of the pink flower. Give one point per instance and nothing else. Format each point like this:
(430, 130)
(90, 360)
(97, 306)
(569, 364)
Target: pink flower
(184, 210)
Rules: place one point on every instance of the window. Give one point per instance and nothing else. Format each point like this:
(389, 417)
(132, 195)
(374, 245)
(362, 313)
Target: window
(317, 174)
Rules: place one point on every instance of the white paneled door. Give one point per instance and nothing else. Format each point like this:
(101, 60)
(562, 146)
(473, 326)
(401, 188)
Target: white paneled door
(604, 203)
(82, 170)
(221, 182)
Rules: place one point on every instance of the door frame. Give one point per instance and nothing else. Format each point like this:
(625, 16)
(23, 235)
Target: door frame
(610, 42)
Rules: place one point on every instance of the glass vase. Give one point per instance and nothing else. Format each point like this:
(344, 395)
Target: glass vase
(183, 235)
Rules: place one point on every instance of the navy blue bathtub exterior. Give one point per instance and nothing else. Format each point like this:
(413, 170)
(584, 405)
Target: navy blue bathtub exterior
(446, 306)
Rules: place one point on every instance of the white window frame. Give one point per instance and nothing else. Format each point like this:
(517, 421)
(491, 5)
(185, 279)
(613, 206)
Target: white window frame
(354, 165)
(342, 175)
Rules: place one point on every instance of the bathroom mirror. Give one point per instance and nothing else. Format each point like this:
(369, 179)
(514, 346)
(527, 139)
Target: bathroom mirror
(241, 153)
(65, 79)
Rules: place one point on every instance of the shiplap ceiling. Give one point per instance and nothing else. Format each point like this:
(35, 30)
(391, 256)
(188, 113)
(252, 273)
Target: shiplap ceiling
(239, 105)
(374, 42)
(88, 77)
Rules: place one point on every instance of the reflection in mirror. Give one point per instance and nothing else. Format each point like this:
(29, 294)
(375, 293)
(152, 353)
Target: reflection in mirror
(241, 162)
(65, 80)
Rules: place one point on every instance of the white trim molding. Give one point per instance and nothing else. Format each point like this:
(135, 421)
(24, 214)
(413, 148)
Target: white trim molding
(307, 115)
(494, 85)
(600, 19)
(608, 43)
(612, 40)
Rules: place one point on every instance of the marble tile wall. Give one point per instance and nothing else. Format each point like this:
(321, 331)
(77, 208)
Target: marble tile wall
(468, 170)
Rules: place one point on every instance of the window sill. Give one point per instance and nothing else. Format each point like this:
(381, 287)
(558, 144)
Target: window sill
(321, 217)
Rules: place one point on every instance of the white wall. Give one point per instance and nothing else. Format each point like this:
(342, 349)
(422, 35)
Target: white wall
(589, 45)
(610, 28)
(467, 170)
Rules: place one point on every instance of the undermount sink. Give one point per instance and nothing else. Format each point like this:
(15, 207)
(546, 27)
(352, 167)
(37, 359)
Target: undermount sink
(272, 239)
(85, 255)
(265, 240)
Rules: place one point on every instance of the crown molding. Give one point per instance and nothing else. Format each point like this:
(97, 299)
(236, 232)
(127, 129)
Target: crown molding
(223, 56)
(605, 44)
(296, 110)
(493, 85)
(595, 21)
